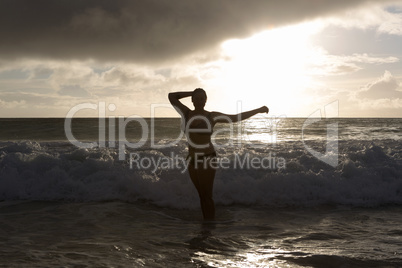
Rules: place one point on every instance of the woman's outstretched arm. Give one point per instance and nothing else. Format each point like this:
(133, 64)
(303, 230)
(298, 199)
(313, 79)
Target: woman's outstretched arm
(231, 118)
(174, 100)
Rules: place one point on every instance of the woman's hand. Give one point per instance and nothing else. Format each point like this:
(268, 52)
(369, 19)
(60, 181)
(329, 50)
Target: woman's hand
(264, 109)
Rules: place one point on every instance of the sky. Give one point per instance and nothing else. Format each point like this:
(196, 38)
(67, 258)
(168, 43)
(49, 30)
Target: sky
(294, 56)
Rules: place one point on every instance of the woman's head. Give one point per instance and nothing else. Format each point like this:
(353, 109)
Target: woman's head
(199, 98)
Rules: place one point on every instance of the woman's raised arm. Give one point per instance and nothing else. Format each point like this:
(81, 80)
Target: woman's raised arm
(231, 118)
(174, 100)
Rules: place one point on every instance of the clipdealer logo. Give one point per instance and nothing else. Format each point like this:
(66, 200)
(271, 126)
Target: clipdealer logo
(120, 142)
(119, 124)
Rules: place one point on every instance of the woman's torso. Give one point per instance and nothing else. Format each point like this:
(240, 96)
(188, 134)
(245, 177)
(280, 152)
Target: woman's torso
(198, 129)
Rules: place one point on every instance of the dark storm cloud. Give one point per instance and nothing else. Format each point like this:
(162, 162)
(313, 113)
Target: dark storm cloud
(142, 30)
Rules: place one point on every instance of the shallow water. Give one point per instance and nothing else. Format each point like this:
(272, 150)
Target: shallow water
(116, 234)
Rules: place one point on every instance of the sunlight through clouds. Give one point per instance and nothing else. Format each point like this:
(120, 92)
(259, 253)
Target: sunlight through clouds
(268, 67)
(283, 65)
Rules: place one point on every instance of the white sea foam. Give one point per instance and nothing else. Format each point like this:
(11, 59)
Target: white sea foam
(368, 174)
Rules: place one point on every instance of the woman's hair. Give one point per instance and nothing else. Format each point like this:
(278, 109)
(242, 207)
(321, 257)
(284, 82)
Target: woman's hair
(200, 90)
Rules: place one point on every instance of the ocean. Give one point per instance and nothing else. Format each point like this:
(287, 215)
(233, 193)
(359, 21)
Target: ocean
(288, 193)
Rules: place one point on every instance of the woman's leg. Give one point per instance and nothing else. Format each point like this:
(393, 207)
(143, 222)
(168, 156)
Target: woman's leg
(203, 180)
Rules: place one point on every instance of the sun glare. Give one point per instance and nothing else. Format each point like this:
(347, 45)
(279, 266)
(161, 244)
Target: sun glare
(269, 68)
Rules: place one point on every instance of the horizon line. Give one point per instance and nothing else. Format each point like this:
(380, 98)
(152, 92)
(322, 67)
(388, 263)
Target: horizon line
(172, 117)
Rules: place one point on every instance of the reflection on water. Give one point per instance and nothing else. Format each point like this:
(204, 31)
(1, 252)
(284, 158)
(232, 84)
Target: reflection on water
(214, 252)
(210, 248)
(259, 130)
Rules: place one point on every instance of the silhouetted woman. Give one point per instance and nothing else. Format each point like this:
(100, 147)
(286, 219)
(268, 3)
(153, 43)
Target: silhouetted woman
(199, 125)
